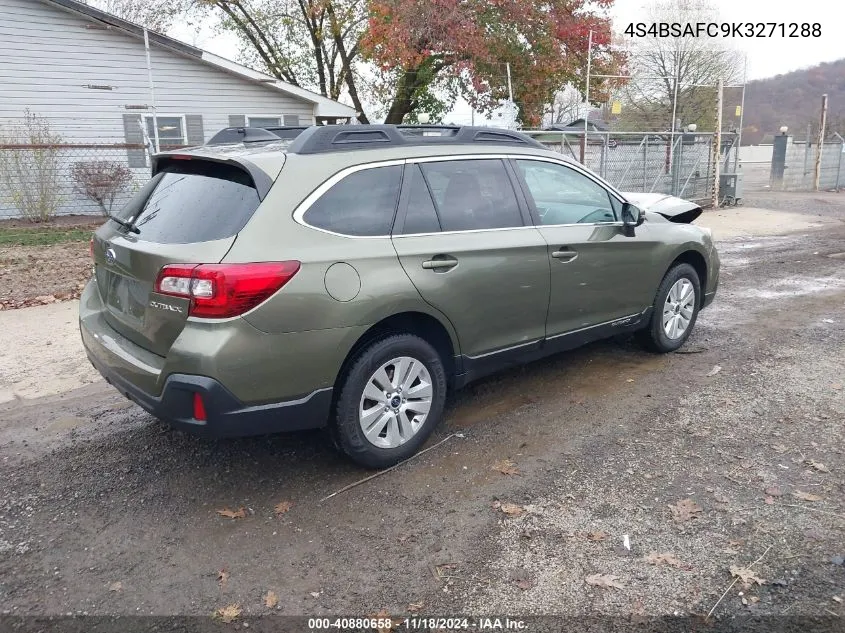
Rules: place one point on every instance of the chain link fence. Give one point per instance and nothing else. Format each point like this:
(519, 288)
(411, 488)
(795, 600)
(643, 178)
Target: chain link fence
(679, 164)
(38, 182)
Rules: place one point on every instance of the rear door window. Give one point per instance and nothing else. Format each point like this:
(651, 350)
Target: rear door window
(361, 204)
(472, 194)
(195, 202)
(421, 217)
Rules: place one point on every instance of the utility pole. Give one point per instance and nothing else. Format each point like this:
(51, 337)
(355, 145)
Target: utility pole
(716, 150)
(818, 171)
(587, 97)
(741, 115)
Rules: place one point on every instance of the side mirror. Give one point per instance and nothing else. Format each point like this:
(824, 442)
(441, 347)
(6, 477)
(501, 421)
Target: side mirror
(631, 217)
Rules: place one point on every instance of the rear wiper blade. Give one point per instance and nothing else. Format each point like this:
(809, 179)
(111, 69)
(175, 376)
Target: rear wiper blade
(129, 226)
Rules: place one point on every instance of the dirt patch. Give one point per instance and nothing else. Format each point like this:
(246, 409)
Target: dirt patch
(35, 275)
(702, 470)
(59, 221)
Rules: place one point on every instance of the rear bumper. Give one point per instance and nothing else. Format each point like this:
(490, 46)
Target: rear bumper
(226, 415)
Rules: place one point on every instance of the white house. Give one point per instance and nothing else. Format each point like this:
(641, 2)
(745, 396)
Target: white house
(86, 72)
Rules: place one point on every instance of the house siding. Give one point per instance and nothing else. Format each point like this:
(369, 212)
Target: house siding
(49, 55)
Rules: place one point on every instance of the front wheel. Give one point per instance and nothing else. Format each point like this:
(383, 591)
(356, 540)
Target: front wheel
(390, 401)
(675, 310)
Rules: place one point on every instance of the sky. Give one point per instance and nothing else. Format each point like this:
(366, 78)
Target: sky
(766, 57)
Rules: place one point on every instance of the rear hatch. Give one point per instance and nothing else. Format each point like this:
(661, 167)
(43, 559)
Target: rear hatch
(189, 213)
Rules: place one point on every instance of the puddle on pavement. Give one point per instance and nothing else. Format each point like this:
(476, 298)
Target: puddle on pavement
(797, 287)
(66, 424)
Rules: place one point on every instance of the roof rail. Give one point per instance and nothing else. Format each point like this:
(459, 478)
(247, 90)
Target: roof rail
(256, 134)
(338, 138)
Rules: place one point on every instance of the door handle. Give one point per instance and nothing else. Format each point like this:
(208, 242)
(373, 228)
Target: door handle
(440, 262)
(565, 256)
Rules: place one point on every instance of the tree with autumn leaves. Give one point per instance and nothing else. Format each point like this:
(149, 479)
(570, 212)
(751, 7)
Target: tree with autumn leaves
(467, 45)
(398, 58)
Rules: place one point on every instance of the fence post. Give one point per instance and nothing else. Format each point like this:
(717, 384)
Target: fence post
(717, 146)
(603, 164)
(645, 163)
(778, 161)
(817, 171)
(839, 164)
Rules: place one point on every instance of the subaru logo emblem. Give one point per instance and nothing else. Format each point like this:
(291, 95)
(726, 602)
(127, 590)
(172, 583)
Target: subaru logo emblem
(111, 256)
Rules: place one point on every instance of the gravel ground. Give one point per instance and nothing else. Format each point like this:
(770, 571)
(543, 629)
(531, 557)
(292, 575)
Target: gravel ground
(105, 511)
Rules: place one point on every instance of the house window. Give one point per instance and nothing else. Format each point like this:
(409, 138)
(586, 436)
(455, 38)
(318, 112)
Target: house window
(264, 121)
(171, 130)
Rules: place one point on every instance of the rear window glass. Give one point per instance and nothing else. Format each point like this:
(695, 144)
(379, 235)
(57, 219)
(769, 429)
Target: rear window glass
(194, 202)
(363, 203)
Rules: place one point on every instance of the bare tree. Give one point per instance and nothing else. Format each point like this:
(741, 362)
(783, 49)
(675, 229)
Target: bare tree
(689, 68)
(31, 176)
(566, 106)
(156, 15)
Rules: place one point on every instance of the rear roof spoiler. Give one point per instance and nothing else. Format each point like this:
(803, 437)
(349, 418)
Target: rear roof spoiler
(260, 179)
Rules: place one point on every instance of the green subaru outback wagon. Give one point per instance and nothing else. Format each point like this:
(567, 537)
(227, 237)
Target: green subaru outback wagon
(349, 276)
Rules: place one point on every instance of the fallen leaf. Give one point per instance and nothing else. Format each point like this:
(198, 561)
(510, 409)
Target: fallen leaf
(240, 513)
(415, 607)
(630, 380)
(774, 491)
(229, 613)
(271, 600)
(837, 599)
(769, 500)
(282, 507)
(685, 510)
(383, 614)
(745, 575)
(523, 583)
(222, 577)
(315, 594)
(817, 466)
(716, 369)
(658, 559)
(512, 509)
(506, 467)
(442, 570)
(116, 586)
(598, 535)
(604, 580)
(806, 496)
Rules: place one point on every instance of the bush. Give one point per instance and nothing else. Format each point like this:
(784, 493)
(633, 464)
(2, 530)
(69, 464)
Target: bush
(101, 181)
(30, 171)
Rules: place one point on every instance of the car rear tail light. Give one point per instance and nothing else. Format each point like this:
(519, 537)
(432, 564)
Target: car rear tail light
(199, 408)
(218, 291)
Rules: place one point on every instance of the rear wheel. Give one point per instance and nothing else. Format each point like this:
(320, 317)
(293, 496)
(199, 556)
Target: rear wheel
(675, 310)
(390, 401)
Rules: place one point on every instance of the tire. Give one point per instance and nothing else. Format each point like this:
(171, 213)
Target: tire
(396, 432)
(655, 336)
